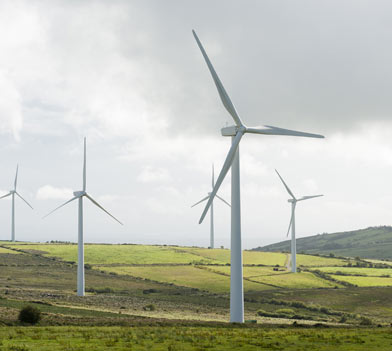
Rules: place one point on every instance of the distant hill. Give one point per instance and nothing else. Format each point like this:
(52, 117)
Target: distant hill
(372, 242)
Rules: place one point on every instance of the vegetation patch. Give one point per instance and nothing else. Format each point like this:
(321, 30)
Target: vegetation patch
(194, 338)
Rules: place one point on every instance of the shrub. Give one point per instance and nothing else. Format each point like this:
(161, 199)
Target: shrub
(285, 311)
(343, 319)
(298, 304)
(365, 321)
(263, 313)
(150, 291)
(149, 307)
(29, 314)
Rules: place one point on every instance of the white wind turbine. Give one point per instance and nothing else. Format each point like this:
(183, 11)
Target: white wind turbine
(293, 202)
(79, 195)
(232, 160)
(13, 193)
(211, 210)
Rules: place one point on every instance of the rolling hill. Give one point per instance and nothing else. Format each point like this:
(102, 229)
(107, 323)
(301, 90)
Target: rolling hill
(372, 242)
(145, 284)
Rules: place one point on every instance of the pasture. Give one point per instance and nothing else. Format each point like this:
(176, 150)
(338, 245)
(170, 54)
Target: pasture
(128, 283)
(193, 338)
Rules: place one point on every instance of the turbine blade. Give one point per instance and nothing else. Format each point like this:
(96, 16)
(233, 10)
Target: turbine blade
(291, 222)
(270, 130)
(5, 195)
(223, 200)
(98, 205)
(309, 197)
(213, 180)
(16, 177)
(223, 172)
(200, 201)
(221, 90)
(285, 185)
(84, 166)
(74, 198)
(24, 200)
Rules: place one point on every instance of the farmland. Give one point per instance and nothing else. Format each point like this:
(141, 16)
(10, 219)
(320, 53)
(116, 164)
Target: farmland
(187, 288)
(192, 338)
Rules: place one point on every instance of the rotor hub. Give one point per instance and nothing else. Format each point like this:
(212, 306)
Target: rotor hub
(79, 193)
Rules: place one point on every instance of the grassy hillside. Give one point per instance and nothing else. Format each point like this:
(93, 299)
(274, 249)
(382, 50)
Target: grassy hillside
(193, 339)
(373, 242)
(141, 284)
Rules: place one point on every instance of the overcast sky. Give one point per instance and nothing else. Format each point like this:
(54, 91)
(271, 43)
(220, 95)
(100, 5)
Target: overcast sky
(129, 76)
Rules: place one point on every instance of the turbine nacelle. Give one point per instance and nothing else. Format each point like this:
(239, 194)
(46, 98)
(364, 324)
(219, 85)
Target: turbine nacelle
(233, 130)
(79, 193)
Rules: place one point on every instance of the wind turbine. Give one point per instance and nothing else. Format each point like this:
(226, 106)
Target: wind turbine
(211, 210)
(232, 160)
(293, 202)
(79, 195)
(13, 193)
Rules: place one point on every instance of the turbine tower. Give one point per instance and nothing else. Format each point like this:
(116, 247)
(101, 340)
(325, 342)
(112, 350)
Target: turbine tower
(211, 210)
(79, 195)
(13, 193)
(232, 160)
(293, 202)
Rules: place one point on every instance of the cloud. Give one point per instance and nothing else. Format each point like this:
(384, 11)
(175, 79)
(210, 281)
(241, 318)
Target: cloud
(49, 192)
(154, 175)
(152, 115)
(11, 119)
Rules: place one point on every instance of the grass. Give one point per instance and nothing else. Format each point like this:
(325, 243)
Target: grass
(281, 279)
(375, 272)
(364, 281)
(148, 254)
(372, 242)
(318, 261)
(188, 276)
(303, 280)
(184, 283)
(192, 338)
(116, 254)
(7, 251)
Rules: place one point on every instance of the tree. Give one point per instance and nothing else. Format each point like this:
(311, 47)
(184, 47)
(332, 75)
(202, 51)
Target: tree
(29, 314)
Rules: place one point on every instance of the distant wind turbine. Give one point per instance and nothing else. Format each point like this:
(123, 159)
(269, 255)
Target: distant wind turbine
(232, 160)
(293, 202)
(13, 193)
(79, 195)
(211, 210)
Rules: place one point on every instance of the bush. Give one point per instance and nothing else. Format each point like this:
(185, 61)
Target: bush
(149, 307)
(29, 314)
(285, 311)
(365, 321)
(343, 319)
(263, 313)
(298, 304)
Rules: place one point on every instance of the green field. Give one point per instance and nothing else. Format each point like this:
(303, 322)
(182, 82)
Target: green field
(189, 276)
(151, 254)
(7, 251)
(375, 272)
(191, 267)
(249, 257)
(192, 338)
(148, 285)
(280, 279)
(318, 261)
(116, 254)
(364, 281)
